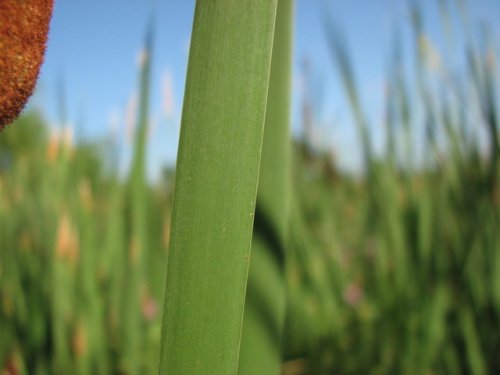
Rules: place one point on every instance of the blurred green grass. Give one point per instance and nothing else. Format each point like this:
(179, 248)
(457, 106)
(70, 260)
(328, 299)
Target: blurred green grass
(396, 271)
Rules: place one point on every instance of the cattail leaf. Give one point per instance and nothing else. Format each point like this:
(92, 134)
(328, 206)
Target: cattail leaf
(216, 184)
(263, 324)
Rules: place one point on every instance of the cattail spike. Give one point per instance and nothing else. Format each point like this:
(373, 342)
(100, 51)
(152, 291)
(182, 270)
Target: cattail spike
(24, 26)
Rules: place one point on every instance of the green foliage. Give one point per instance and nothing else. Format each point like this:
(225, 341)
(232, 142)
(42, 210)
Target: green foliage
(410, 287)
(28, 139)
(396, 271)
(215, 187)
(265, 304)
(75, 292)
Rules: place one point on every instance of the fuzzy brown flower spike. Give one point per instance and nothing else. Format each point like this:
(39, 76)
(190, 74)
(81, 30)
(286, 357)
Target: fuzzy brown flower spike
(24, 25)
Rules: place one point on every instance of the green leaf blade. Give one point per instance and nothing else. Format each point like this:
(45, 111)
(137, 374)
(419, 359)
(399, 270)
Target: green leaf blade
(216, 183)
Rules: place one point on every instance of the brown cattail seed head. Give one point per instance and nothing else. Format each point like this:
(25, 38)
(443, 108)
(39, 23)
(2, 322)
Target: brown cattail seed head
(24, 25)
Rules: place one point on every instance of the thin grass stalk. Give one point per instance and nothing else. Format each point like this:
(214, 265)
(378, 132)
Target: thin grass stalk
(216, 185)
(341, 58)
(133, 323)
(261, 346)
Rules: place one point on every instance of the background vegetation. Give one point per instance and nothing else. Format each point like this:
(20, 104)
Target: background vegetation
(395, 270)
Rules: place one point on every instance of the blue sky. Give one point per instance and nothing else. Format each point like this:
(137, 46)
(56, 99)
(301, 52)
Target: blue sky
(94, 48)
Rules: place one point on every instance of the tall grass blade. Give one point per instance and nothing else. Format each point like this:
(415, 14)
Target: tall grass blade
(138, 242)
(261, 347)
(341, 58)
(216, 185)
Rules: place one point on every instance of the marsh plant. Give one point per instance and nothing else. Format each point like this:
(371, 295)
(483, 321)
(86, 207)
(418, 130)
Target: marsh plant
(262, 256)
